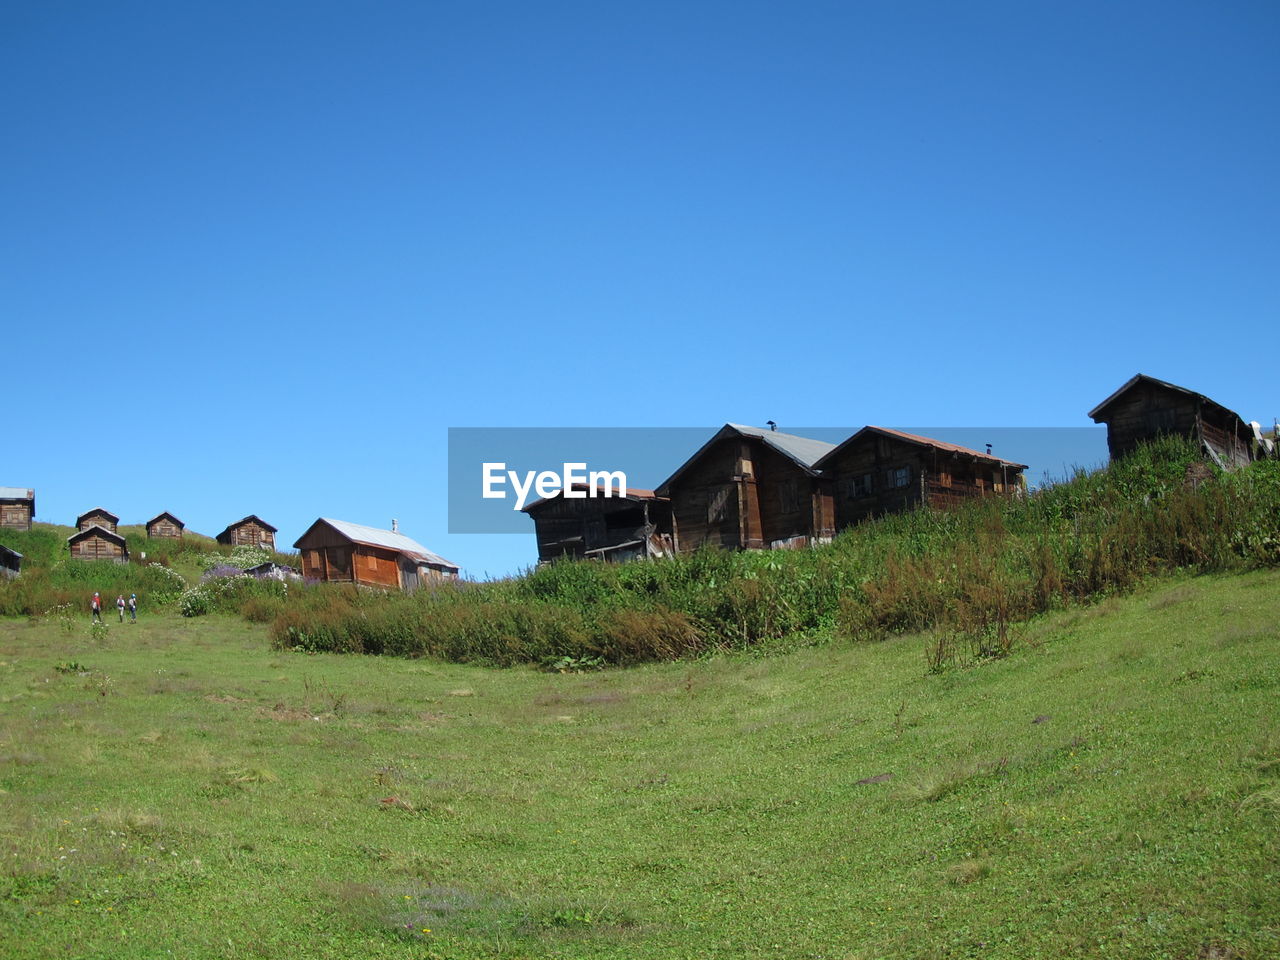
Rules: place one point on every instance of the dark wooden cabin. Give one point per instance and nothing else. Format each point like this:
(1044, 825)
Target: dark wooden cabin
(878, 471)
(749, 488)
(98, 543)
(165, 526)
(97, 517)
(340, 552)
(17, 507)
(1145, 408)
(10, 562)
(596, 527)
(251, 532)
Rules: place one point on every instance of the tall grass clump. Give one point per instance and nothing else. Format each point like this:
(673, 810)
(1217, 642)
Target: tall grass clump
(965, 575)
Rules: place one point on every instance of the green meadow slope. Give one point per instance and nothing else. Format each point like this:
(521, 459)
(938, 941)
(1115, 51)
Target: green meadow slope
(1109, 789)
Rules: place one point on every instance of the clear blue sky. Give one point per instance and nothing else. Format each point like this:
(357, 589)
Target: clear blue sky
(258, 257)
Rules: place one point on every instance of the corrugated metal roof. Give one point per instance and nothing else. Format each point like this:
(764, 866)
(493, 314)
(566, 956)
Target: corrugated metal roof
(803, 451)
(96, 531)
(16, 493)
(374, 537)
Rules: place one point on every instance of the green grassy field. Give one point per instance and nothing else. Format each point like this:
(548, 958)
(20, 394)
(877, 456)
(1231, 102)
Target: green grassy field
(1111, 789)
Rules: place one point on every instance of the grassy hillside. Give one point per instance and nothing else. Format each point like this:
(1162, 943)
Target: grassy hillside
(1111, 788)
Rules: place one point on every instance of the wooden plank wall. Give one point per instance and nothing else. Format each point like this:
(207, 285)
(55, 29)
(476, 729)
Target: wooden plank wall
(16, 516)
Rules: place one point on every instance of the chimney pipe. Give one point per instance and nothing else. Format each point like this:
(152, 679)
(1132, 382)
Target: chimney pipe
(772, 426)
(395, 526)
(988, 449)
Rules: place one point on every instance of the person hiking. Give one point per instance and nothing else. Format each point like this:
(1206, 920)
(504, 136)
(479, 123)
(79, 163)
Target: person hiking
(120, 606)
(96, 606)
(133, 608)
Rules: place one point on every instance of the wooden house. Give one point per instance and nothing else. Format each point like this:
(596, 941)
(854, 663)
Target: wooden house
(340, 552)
(749, 488)
(165, 526)
(97, 517)
(98, 543)
(597, 527)
(1145, 408)
(878, 471)
(10, 562)
(251, 531)
(17, 507)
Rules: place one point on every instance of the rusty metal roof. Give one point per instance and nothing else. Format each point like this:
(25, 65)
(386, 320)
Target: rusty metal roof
(162, 515)
(803, 451)
(388, 540)
(922, 441)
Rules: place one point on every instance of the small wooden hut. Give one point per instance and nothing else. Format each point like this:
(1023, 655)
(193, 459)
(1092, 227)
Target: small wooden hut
(341, 552)
(98, 517)
(1145, 408)
(10, 562)
(252, 531)
(165, 526)
(749, 488)
(879, 470)
(17, 507)
(598, 527)
(98, 543)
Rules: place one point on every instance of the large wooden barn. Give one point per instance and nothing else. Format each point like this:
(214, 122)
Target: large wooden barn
(17, 507)
(613, 528)
(1145, 408)
(98, 543)
(879, 470)
(749, 488)
(98, 517)
(10, 562)
(165, 526)
(340, 552)
(251, 531)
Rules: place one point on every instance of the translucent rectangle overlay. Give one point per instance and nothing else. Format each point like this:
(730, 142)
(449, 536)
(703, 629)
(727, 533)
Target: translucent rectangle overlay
(647, 456)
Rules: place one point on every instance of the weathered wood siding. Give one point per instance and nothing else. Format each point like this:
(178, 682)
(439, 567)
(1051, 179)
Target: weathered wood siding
(16, 514)
(376, 567)
(249, 533)
(1145, 412)
(97, 518)
(879, 474)
(571, 526)
(94, 547)
(164, 529)
(708, 501)
(743, 494)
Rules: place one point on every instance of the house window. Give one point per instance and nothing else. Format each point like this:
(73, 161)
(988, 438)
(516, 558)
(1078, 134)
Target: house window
(855, 487)
(789, 497)
(717, 504)
(898, 477)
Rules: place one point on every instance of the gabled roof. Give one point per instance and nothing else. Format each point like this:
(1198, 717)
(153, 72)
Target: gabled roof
(802, 451)
(89, 513)
(16, 493)
(631, 493)
(95, 530)
(942, 445)
(162, 515)
(1097, 413)
(386, 539)
(255, 518)
(10, 551)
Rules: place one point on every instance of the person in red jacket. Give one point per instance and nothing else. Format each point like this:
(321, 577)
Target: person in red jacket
(96, 606)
